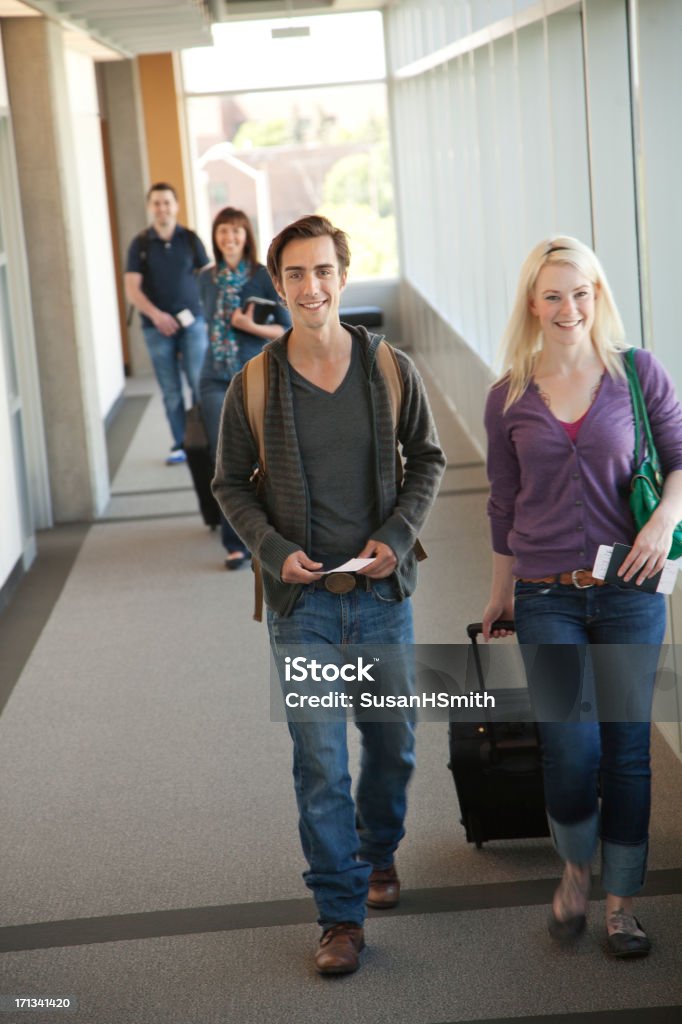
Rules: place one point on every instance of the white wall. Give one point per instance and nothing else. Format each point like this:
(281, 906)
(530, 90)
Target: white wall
(11, 540)
(11, 546)
(98, 256)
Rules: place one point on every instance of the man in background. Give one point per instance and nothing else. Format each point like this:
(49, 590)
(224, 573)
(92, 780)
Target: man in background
(160, 281)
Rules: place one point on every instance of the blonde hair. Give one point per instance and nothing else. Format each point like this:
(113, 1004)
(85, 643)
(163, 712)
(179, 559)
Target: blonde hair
(522, 338)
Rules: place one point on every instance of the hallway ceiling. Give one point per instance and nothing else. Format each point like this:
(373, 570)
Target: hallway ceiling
(155, 26)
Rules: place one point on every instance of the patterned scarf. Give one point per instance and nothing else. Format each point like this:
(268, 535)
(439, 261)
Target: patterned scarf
(224, 344)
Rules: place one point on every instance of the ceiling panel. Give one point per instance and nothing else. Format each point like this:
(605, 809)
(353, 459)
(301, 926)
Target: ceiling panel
(155, 26)
(145, 26)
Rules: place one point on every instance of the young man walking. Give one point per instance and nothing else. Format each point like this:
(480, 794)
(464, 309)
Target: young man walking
(160, 281)
(331, 493)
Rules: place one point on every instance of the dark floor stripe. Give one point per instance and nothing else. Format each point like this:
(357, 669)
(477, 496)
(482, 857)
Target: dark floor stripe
(464, 465)
(22, 622)
(284, 913)
(464, 490)
(639, 1015)
(122, 429)
(153, 490)
(150, 516)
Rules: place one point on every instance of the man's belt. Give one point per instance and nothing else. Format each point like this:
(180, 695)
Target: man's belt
(579, 578)
(342, 582)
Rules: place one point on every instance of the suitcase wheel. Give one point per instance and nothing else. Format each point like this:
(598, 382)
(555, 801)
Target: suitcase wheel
(474, 830)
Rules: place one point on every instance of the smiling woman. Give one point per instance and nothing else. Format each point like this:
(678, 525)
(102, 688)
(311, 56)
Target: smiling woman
(560, 458)
(230, 291)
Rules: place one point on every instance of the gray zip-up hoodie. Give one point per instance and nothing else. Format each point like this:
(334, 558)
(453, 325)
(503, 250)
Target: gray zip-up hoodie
(276, 521)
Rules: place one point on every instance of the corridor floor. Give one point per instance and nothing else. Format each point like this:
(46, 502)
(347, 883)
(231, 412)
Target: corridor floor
(150, 868)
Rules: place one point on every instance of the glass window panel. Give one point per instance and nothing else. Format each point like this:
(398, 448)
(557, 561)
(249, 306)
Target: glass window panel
(20, 464)
(281, 155)
(6, 330)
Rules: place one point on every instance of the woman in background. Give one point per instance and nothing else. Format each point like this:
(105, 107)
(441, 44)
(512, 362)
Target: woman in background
(560, 459)
(234, 335)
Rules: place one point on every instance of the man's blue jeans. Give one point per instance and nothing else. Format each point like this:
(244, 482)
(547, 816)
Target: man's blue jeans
(581, 756)
(188, 344)
(212, 392)
(343, 841)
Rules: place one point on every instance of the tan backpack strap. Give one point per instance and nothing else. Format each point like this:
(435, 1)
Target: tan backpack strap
(257, 590)
(387, 362)
(419, 551)
(254, 386)
(390, 370)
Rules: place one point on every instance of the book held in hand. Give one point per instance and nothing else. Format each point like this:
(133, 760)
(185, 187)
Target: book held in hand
(263, 309)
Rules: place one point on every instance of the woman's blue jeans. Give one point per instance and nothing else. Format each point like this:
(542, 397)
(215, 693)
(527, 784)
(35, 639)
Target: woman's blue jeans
(343, 840)
(185, 348)
(212, 392)
(570, 681)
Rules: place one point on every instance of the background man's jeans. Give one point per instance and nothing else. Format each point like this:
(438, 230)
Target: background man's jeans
(212, 392)
(189, 343)
(340, 844)
(578, 755)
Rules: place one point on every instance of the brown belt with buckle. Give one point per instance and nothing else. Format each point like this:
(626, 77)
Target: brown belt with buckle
(342, 582)
(580, 578)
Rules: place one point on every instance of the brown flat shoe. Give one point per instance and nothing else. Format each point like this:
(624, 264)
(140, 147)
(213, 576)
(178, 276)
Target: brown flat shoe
(571, 896)
(339, 950)
(237, 560)
(384, 889)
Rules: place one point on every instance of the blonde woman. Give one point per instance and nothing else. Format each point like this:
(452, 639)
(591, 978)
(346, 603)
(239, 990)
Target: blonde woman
(561, 443)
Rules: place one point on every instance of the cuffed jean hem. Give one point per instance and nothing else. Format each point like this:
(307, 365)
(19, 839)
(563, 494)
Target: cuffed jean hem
(623, 867)
(576, 843)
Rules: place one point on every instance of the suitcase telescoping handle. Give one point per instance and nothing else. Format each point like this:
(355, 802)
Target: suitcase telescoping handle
(474, 629)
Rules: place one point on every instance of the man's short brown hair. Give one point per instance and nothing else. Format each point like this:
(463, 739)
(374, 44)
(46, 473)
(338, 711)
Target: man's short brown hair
(161, 186)
(312, 226)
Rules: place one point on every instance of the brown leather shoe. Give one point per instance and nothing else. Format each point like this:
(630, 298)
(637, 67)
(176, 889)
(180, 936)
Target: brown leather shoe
(384, 888)
(339, 951)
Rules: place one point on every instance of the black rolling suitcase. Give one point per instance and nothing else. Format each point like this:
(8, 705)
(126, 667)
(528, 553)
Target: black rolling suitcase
(496, 767)
(201, 465)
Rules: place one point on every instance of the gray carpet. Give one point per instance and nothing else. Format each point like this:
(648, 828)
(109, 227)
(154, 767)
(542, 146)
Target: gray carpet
(142, 775)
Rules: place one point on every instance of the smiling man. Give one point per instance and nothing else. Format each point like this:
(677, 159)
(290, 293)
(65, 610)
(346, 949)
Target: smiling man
(160, 281)
(330, 494)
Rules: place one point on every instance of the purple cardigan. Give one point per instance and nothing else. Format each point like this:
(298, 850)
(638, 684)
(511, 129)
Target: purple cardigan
(552, 502)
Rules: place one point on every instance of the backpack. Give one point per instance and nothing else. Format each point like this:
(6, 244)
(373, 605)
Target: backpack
(255, 373)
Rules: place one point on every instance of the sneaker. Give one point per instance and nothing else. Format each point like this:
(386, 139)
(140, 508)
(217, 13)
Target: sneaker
(626, 937)
(177, 455)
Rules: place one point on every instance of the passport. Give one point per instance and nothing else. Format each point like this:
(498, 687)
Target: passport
(620, 553)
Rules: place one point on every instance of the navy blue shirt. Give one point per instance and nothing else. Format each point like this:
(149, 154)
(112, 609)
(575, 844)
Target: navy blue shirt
(168, 272)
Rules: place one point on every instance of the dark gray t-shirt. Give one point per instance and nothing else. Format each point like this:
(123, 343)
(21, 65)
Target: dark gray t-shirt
(337, 450)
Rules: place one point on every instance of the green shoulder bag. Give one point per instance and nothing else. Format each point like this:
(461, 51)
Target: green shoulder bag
(646, 486)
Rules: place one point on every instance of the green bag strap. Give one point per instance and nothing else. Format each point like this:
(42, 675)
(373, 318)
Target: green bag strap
(640, 413)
